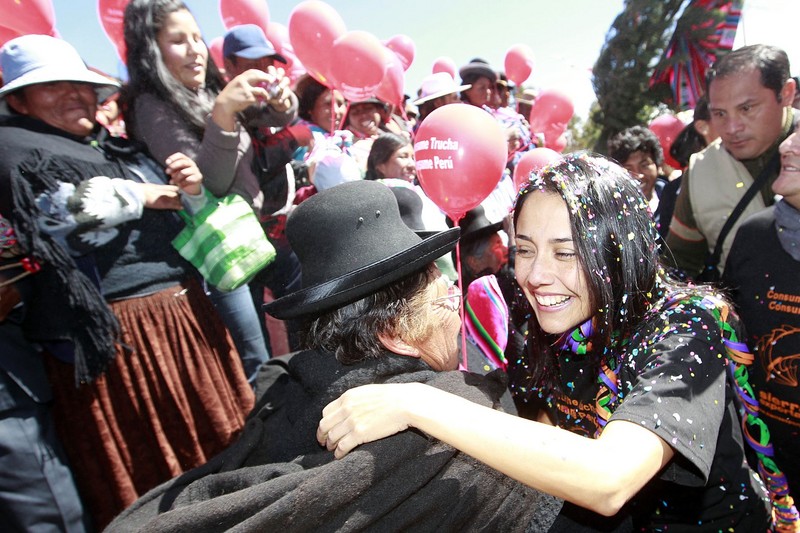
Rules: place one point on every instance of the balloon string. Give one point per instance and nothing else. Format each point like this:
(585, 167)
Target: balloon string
(464, 365)
(344, 117)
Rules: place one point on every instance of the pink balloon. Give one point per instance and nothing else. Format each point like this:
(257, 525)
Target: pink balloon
(215, 49)
(461, 153)
(358, 64)
(391, 88)
(550, 107)
(6, 34)
(31, 16)
(238, 12)
(558, 144)
(519, 63)
(403, 46)
(111, 13)
(278, 35)
(667, 128)
(532, 161)
(444, 64)
(313, 27)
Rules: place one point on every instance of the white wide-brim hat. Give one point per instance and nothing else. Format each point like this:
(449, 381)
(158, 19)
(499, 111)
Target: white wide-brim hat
(437, 85)
(33, 59)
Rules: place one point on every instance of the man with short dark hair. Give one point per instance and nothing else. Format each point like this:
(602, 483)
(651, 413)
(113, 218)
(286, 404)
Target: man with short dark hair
(750, 93)
(246, 47)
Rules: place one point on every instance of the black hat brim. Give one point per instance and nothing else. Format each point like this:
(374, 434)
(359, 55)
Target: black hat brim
(355, 285)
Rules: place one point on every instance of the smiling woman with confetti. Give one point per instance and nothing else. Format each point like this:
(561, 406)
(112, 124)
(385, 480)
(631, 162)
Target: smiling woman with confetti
(626, 371)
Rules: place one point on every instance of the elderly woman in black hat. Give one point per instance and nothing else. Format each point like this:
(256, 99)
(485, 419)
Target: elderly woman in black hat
(146, 382)
(378, 311)
(481, 78)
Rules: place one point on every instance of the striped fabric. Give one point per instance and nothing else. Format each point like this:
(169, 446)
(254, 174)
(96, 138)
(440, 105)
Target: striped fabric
(225, 242)
(486, 317)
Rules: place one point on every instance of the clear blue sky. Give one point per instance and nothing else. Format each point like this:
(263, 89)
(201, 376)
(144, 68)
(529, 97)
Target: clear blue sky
(565, 36)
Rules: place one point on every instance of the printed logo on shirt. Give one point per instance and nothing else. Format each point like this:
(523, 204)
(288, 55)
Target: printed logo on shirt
(779, 364)
(578, 416)
(785, 411)
(783, 302)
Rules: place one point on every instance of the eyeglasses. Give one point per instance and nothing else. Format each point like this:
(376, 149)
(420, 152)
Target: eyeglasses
(451, 301)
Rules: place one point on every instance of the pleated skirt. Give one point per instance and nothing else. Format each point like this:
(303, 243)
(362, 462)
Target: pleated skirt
(175, 396)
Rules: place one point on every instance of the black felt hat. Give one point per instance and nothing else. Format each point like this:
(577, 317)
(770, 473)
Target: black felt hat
(410, 205)
(475, 69)
(475, 225)
(351, 242)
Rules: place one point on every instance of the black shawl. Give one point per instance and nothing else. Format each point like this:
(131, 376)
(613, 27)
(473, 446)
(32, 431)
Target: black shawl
(277, 478)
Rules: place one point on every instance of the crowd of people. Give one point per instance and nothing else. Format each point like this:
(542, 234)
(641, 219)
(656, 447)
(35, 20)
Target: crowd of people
(631, 329)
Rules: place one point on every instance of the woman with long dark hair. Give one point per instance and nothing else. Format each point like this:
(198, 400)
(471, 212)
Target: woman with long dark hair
(176, 100)
(634, 421)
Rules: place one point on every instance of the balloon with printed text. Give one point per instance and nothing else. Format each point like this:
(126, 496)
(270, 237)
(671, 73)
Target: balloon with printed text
(358, 65)
(460, 153)
(111, 13)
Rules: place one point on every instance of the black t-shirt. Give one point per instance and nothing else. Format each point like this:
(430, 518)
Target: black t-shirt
(765, 284)
(673, 381)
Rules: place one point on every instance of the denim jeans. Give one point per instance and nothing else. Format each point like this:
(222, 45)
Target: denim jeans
(281, 277)
(239, 314)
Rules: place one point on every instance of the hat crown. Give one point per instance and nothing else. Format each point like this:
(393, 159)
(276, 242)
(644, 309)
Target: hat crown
(27, 53)
(247, 40)
(352, 226)
(439, 82)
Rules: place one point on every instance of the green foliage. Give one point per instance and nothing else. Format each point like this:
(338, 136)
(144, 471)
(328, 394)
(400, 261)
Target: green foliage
(622, 72)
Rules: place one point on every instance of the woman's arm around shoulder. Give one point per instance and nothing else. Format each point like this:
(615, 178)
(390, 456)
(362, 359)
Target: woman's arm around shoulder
(546, 458)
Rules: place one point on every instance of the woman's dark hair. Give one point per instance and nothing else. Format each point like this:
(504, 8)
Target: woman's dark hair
(351, 331)
(635, 139)
(382, 149)
(308, 91)
(147, 72)
(615, 241)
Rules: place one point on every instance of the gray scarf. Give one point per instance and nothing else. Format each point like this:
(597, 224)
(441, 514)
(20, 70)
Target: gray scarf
(787, 219)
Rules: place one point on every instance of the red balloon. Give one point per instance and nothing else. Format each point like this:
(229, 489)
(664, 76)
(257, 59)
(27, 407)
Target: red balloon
(461, 152)
(28, 16)
(667, 128)
(444, 64)
(6, 34)
(519, 63)
(238, 12)
(532, 161)
(403, 46)
(111, 13)
(550, 108)
(558, 143)
(358, 64)
(391, 88)
(278, 35)
(313, 27)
